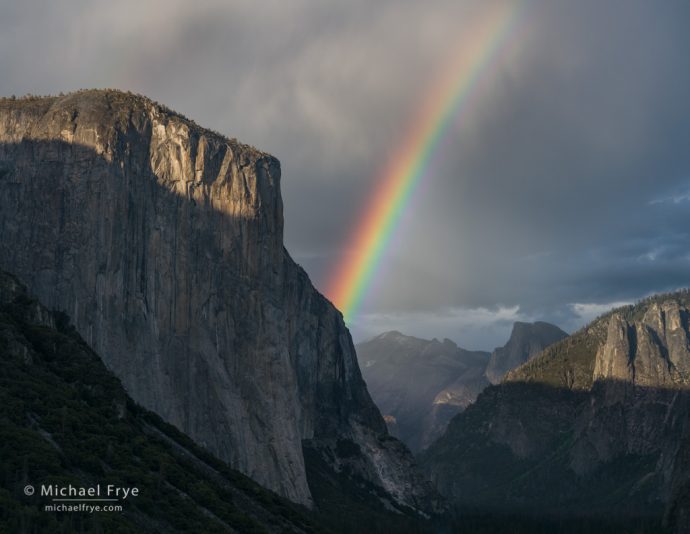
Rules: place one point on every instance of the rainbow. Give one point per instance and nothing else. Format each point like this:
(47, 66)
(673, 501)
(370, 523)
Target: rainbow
(410, 162)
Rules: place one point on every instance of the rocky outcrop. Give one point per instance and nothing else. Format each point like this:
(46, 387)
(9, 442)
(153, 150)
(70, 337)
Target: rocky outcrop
(420, 384)
(653, 351)
(163, 242)
(593, 426)
(392, 425)
(526, 341)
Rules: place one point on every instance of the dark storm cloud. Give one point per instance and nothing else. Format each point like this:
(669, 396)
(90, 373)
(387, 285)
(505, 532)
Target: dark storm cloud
(564, 188)
(571, 186)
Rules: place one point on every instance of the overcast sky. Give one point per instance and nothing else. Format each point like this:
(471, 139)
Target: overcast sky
(563, 190)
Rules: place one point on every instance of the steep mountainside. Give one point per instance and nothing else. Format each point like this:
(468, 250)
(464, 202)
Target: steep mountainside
(65, 419)
(163, 242)
(420, 384)
(678, 510)
(593, 426)
(526, 341)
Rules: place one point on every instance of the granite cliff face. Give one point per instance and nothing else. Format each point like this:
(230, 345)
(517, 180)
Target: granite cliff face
(65, 418)
(653, 351)
(526, 341)
(593, 426)
(163, 242)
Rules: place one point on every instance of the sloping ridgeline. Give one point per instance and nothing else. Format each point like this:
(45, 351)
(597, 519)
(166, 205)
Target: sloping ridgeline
(163, 242)
(65, 419)
(592, 430)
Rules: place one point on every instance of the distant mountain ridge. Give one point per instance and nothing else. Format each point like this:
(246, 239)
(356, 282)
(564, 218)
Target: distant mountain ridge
(421, 384)
(594, 426)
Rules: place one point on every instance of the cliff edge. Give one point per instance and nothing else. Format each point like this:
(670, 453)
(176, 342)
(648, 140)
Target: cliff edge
(164, 243)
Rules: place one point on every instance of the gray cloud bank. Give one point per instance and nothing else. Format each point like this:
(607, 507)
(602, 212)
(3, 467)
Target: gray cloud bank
(563, 189)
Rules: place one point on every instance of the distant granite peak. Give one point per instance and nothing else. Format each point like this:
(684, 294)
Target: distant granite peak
(391, 334)
(526, 341)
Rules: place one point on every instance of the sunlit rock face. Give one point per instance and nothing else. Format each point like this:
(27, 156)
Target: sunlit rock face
(164, 243)
(597, 424)
(651, 351)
